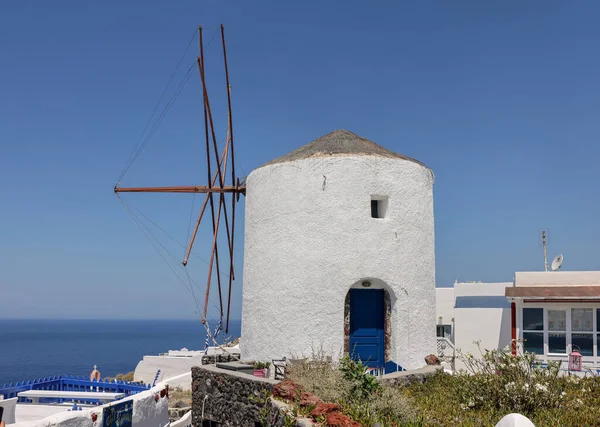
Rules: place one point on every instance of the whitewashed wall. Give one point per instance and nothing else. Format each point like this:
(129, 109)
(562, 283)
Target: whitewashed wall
(147, 412)
(444, 305)
(184, 381)
(557, 278)
(169, 366)
(309, 237)
(482, 314)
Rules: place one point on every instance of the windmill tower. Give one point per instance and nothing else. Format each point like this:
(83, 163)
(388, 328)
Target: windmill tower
(339, 255)
(338, 251)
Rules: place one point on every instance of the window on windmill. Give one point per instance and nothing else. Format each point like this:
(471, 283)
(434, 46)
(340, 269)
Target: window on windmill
(379, 206)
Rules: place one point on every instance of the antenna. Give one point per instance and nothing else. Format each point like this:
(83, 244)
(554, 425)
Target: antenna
(544, 245)
(557, 262)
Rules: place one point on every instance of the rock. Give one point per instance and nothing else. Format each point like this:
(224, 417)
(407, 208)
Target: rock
(432, 359)
(287, 390)
(324, 409)
(337, 419)
(307, 399)
(515, 420)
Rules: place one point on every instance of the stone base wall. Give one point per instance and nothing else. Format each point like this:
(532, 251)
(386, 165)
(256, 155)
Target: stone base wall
(280, 415)
(219, 358)
(404, 378)
(229, 398)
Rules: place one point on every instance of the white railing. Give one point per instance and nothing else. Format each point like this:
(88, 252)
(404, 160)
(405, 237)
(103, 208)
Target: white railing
(446, 351)
(445, 347)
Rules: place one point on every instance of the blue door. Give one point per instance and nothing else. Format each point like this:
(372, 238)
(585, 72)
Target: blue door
(366, 326)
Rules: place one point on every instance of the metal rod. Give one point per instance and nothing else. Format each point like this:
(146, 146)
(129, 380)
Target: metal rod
(544, 244)
(513, 324)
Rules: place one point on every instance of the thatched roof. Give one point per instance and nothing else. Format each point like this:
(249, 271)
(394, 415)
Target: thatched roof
(339, 143)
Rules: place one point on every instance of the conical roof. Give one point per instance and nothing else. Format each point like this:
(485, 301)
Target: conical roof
(339, 143)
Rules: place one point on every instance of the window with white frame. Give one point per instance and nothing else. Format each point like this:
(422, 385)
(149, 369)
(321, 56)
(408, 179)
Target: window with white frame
(582, 330)
(557, 331)
(533, 330)
(444, 331)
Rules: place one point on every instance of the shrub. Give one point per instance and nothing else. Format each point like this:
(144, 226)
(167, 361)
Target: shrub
(359, 394)
(502, 381)
(320, 375)
(498, 383)
(262, 365)
(362, 384)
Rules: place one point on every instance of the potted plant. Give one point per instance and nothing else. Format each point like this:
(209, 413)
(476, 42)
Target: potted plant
(260, 369)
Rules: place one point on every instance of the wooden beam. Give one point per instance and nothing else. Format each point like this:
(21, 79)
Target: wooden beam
(182, 189)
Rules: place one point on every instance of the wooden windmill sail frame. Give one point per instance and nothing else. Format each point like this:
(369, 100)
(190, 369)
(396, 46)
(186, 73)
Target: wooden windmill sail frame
(216, 188)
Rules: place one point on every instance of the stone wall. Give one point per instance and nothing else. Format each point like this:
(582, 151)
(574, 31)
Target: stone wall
(404, 378)
(227, 397)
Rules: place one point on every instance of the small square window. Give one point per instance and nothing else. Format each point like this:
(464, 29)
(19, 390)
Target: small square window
(444, 331)
(379, 206)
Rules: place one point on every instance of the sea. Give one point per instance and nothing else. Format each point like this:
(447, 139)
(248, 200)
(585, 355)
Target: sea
(32, 349)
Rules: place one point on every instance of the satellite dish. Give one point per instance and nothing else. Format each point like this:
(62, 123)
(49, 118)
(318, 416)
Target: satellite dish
(557, 262)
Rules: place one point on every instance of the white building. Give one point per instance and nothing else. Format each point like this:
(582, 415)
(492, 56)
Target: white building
(474, 311)
(551, 313)
(339, 255)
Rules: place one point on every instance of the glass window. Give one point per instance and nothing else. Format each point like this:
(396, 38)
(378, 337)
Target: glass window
(583, 342)
(557, 331)
(582, 319)
(557, 342)
(557, 320)
(533, 319)
(582, 325)
(533, 342)
(444, 331)
(533, 327)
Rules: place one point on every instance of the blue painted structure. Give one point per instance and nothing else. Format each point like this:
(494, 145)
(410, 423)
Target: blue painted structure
(71, 383)
(367, 317)
(482, 301)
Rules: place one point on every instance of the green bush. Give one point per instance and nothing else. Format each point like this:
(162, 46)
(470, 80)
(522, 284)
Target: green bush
(363, 385)
(359, 394)
(498, 383)
(261, 365)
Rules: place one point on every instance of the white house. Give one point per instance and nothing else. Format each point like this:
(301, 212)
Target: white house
(339, 255)
(551, 313)
(557, 311)
(474, 311)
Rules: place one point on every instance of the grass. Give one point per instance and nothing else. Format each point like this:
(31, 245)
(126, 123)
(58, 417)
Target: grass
(122, 377)
(357, 393)
(179, 398)
(497, 384)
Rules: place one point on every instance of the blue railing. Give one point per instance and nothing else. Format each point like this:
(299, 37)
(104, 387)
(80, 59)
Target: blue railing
(71, 383)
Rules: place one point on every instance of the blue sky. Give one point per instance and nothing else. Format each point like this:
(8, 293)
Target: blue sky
(500, 99)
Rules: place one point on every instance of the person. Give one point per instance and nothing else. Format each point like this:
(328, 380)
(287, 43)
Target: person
(94, 376)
